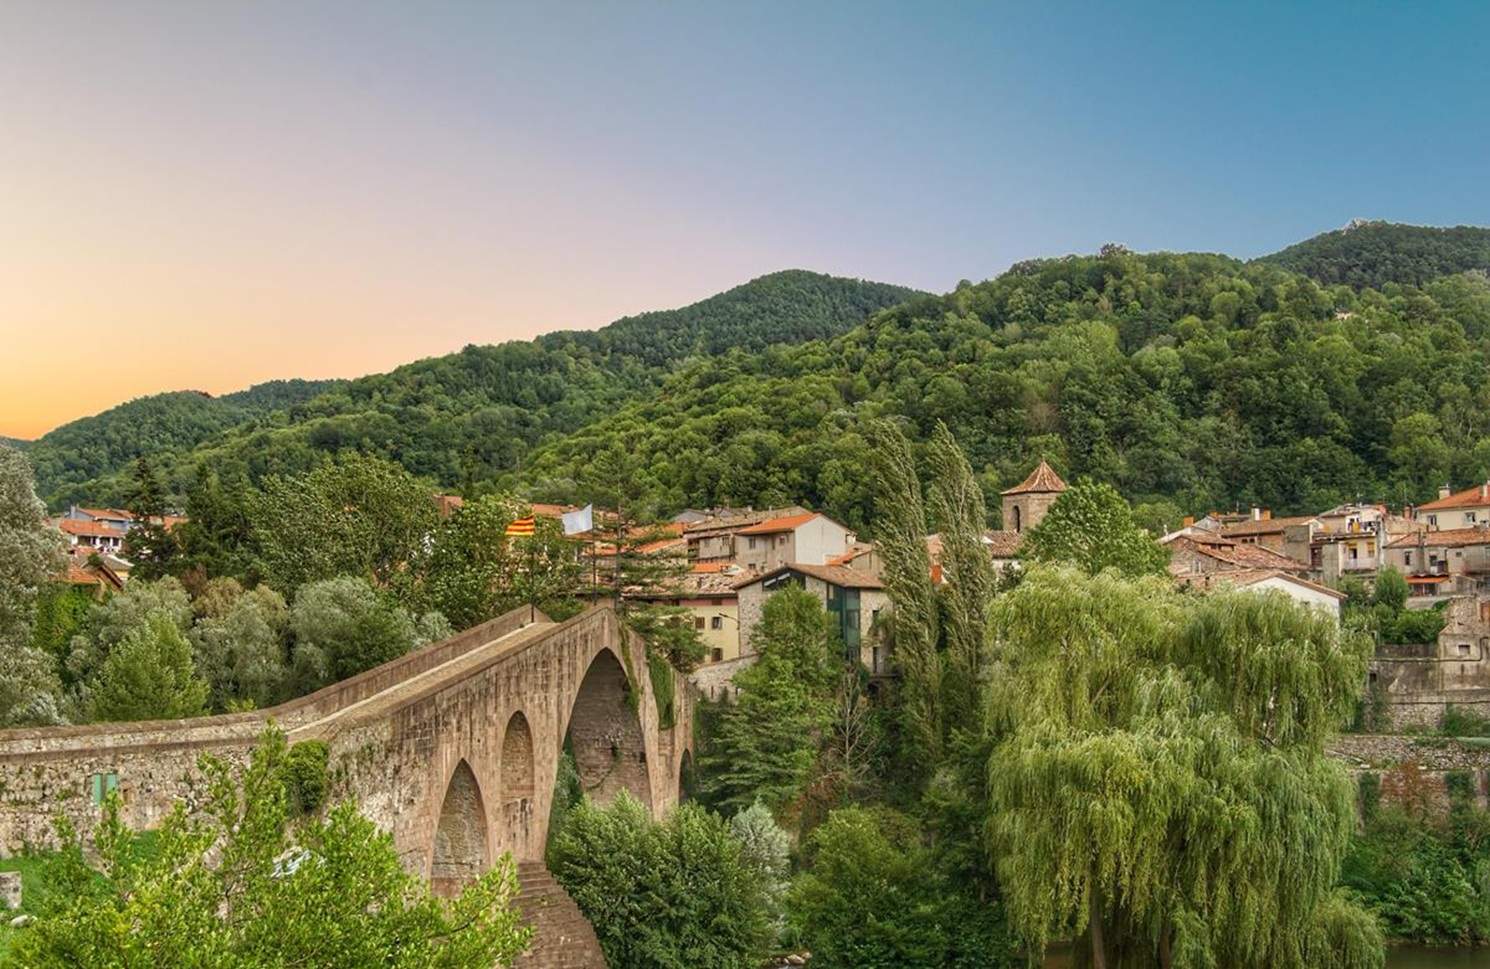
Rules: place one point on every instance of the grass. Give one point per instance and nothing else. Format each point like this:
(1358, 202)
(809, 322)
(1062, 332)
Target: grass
(34, 886)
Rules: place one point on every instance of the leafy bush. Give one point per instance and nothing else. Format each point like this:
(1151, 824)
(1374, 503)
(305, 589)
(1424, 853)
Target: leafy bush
(1423, 883)
(305, 776)
(676, 895)
(1459, 722)
(236, 885)
(872, 899)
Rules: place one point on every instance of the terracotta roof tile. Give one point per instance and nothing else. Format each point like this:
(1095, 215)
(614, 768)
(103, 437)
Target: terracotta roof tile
(839, 575)
(1448, 538)
(88, 528)
(1042, 480)
(1476, 497)
(1265, 526)
(773, 525)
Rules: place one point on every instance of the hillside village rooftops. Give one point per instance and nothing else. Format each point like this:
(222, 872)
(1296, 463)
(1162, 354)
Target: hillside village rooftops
(1448, 538)
(1236, 554)
(772, 526)
(1042, 480)
(1475, 497)
(1266, 526)
(839, 575)
(1242, 578)
(87, 528)
(732, 524)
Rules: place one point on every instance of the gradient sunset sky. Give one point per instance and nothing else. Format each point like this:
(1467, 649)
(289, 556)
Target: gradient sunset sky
(203, 195)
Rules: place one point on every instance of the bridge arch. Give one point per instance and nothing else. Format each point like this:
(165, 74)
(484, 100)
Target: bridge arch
(604, 733)
(461, 853)
(516, 831)
(685, 776)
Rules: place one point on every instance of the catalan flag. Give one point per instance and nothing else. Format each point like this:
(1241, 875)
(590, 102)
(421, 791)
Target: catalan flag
(522, 527)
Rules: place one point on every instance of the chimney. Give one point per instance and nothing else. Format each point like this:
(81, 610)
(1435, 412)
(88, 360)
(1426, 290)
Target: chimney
(1485, 490)
(1189, 520)
(1445, 491)
(1267, 514)
(1256, 513)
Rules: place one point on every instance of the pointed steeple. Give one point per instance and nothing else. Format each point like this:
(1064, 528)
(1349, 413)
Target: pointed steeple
(1043, 480)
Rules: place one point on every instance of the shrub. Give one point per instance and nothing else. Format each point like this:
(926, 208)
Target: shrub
(872, 899)
(305, 776)
(1459, 722)
(1423, 883)
(675, 895)
(1369, 787)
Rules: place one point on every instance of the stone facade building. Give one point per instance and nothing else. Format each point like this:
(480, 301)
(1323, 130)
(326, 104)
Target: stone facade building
(1419, 682)
(1027, 502)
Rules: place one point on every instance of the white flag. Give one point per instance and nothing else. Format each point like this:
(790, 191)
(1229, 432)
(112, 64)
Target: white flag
(579, 521)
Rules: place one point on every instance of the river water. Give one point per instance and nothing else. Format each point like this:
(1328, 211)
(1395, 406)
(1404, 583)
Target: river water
(1400, 957)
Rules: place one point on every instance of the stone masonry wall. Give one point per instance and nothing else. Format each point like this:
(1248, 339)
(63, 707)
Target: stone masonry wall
(396, 735)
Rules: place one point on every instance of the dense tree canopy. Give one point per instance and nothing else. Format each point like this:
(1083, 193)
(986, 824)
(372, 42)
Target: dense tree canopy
(69, 457)
(1376, 254)
(457, 419)
(1159, 787)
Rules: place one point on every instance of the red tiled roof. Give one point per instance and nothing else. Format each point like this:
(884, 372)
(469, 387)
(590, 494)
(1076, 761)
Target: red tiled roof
(845, 558)
(1247, 577)
(773, 525)
(1004, 544)
(1476, 497)
(1448, 538)
(116, 514)
(85, 527)
(1265, 526)
(1241, 556)
(839, 575)
(1041, 480)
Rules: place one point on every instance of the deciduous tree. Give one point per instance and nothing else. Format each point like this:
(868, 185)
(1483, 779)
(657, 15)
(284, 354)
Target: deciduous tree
(1160, 788)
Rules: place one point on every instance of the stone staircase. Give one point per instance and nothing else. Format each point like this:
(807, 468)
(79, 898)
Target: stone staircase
(562, 937)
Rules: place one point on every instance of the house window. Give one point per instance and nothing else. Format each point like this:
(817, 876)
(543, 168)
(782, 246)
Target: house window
(1469, 517)
(99, 785)
(1354, 554)
(716, 622)
(1017, 523)
(1406, 558)
(1463, 649)
(718, 654)
(1433, 520)
(752, 543)
(698, 622)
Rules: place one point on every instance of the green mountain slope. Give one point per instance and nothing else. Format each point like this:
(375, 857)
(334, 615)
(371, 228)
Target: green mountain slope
(1196, 380)
(468, 416)
(1377, 253)
(68, 456)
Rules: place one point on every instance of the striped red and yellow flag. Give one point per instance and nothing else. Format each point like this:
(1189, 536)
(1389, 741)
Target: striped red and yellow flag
(521, 527)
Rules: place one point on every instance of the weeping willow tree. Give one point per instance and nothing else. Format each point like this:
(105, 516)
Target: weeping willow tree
(1159, 789)
(900, 524)
(968, 577)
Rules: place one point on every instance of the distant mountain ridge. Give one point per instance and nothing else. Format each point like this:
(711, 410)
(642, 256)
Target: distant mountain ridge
(1372, 254)
(458, 417)
(80, 450)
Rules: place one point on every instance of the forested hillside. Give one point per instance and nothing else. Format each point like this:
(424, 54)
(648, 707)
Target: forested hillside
(1192, 380)
(68, 456)
(465, 417)
(1377, 253)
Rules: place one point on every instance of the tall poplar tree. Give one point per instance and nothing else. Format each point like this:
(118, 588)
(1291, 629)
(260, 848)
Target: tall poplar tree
(968, 576)
(900, 526)
(1159, 789)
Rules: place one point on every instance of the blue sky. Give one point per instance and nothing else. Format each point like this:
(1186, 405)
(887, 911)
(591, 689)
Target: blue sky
(372, 182)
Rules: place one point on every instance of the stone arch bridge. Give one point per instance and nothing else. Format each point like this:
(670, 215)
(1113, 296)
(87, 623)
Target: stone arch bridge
(453, 748)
